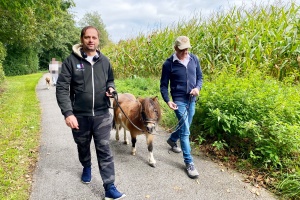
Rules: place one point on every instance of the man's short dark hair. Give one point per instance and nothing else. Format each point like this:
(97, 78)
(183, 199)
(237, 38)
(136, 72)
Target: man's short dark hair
(86, 28)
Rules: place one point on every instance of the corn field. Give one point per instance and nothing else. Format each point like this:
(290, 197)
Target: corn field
(240, 40)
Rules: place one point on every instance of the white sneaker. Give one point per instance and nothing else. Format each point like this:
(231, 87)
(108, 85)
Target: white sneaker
(174, 146)
(191, 171)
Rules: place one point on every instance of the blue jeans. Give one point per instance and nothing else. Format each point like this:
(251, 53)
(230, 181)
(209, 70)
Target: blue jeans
(184, 113)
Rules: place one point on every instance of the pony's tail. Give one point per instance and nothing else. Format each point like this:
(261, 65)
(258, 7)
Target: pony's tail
(114, 125)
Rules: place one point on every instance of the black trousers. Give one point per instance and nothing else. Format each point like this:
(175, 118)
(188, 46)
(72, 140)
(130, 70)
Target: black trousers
(98, 128)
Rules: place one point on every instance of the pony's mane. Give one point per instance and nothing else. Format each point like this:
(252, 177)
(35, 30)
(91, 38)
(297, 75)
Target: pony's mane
(151, 102)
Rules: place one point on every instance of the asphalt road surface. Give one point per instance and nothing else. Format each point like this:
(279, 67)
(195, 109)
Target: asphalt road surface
(58, 171)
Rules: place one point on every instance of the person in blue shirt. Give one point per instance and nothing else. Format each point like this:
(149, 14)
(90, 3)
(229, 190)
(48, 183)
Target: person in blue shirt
(182, 73)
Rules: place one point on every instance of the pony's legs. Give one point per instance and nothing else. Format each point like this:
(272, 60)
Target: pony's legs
(117, 132)
(151, 160)
(118, 127)
(133, 141)
(125, 137)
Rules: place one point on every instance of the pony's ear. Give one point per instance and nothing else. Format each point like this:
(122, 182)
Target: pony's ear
(155, 98)
(140, 99)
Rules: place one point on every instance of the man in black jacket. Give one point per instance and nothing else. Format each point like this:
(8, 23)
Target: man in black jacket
(83, 89)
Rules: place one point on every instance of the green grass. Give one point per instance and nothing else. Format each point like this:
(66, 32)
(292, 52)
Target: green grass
(290, 186)
(20, 118)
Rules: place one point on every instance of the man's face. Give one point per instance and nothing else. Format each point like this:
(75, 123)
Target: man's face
(90, 40)
(181, 54)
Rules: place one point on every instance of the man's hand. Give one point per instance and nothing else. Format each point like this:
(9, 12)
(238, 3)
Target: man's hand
(194, 92)
(110, 92)
(172, 105)
(72, 122)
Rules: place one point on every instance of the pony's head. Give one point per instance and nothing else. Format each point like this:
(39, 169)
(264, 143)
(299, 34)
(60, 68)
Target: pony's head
(150, 112)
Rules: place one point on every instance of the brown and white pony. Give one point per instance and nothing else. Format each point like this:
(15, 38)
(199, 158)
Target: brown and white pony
(138, 116)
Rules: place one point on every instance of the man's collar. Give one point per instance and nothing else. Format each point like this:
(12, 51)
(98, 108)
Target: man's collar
(176, 58)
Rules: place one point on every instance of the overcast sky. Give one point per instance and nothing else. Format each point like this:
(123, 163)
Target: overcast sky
(127, 18)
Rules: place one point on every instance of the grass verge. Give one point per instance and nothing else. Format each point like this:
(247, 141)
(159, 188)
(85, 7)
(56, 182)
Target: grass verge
(20, 117)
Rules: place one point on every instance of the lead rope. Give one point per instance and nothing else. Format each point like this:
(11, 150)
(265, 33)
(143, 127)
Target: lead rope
(115, 96)
(177, 124)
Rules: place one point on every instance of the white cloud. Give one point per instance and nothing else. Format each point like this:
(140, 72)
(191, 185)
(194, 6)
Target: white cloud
(127, 18)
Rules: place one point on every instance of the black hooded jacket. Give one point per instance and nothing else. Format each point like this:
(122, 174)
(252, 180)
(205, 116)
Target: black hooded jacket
(81, 87)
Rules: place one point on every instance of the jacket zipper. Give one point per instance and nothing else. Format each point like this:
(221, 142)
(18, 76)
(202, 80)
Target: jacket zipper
(187, 79)
(93, 86)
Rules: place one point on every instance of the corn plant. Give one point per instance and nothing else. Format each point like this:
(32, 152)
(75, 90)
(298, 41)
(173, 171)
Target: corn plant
(262, 37)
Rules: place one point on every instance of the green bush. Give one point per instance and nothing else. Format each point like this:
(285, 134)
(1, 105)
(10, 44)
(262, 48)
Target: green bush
(257, 116)
(2, 57)
(20, 61)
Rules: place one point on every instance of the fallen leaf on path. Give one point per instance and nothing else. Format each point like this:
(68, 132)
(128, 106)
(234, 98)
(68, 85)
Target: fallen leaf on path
(177, 188)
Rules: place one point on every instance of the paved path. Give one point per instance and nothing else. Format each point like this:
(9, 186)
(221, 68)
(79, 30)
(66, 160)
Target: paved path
(57, 176)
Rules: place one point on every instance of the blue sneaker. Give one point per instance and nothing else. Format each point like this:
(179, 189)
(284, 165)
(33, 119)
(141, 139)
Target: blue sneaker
(86, 176)
(113, 194)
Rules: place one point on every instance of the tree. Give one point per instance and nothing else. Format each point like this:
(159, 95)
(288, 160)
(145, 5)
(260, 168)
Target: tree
(25, 22)
(59, 40)
(28, 28)
(94, 19)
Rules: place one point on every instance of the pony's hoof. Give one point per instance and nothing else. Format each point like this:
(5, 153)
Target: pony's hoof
(133, 153)
(152, 165)
(126, 142)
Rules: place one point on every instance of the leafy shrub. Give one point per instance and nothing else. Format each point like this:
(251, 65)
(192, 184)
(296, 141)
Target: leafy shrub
(20, 61)
(256, 115)
(2, 57)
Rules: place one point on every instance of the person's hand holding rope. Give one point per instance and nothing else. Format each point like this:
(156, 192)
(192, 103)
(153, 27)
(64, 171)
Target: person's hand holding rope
(111, 92)
(172, 105)
(194, 92)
